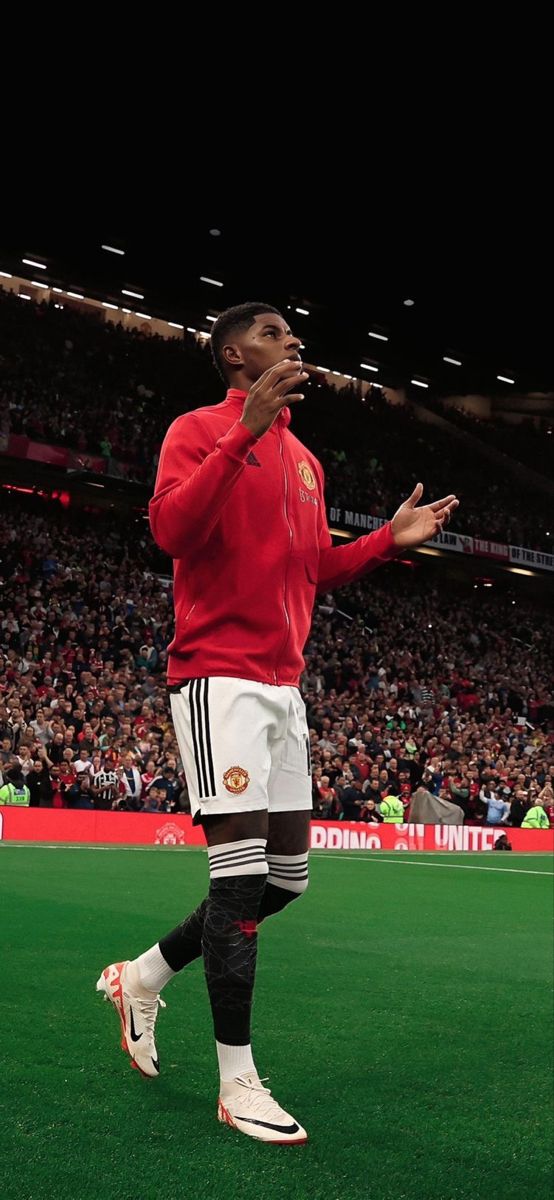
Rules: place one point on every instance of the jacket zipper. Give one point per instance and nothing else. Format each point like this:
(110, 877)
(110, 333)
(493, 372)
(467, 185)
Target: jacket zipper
(285, 510)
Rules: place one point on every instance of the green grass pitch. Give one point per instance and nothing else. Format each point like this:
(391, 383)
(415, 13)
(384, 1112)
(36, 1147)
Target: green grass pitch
(403, 1014)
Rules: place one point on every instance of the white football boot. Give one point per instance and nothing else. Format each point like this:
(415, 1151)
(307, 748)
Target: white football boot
(137, 1010)
(247, 1105)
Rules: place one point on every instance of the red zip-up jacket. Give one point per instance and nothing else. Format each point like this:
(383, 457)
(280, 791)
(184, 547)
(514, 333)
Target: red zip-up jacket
(244, 520)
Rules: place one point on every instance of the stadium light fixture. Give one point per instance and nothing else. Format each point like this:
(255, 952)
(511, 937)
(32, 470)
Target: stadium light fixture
(136, 295)
(6, 275)
(381, 337)
(368, 367)
(30, 262)
(304, 312)
(59, 291)
(409, 303)
(455, 361)
(144, 316)
(112, 249)
(23, 296)
(175, 325)
(75, 295)
(505, 379)
(106, 304)
(211, 318)
(214, 282)
(419, 383)
(190, 329)
(37, 283)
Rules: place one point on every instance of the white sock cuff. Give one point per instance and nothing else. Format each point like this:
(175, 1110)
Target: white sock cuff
(238, 858)
(233, 1061)
(152, 969)
(288, 871)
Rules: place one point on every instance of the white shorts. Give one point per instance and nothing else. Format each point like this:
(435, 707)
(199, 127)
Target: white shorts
(244, 745)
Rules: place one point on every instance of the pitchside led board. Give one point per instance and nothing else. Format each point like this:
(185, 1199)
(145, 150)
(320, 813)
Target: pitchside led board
(146, 829)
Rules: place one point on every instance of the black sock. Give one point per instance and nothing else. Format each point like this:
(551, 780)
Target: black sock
(229, 948)
(183, 944)
(274, 899)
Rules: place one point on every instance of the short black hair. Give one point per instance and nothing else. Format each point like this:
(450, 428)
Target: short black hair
(230, 322)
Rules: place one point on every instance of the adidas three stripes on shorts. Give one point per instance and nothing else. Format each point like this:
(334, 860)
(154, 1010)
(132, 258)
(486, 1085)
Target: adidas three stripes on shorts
(244, 745)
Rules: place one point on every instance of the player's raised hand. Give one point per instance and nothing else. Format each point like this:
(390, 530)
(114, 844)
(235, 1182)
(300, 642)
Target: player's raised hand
(412, 526)
(271, 393)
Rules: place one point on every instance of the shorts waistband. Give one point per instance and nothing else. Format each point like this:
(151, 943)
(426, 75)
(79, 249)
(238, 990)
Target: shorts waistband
(173, 688)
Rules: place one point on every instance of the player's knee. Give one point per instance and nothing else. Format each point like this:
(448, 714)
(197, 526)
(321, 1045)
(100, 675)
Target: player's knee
(289, 873)
(238, 876)
(242, 859)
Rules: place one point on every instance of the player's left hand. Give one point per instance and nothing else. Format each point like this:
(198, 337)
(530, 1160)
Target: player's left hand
(412, 526)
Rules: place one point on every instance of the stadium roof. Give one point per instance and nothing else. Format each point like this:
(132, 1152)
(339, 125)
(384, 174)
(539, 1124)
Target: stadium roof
(449, 209)
(481, 294)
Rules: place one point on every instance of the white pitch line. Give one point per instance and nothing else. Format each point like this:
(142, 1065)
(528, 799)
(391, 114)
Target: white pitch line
(413, 863)
(345, 857)
(71, 846)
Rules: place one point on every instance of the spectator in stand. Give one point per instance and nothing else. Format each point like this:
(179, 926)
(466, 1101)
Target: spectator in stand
(373, 791)
(15, 791)
(167, 784)
(155, 800)
(536, 818)
(431, 780)
(81, 793)
(148, 776)
(67, 773)
(369, 813)
(105, 787)
(404, 788)
(131, 779)
(459, 786)
(546, 798)
(6, 754)
(323, 802)
(498, 810)
(42, 729)
(352, 800)
(25, 760)
(83, 762)
(40, 785)
(392, 810)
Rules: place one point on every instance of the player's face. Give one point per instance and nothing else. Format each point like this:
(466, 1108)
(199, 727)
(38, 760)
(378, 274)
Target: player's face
(267, 341)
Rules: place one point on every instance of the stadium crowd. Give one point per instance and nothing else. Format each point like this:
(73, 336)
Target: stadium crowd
(80, 381)
(404, 685)
(530, 441)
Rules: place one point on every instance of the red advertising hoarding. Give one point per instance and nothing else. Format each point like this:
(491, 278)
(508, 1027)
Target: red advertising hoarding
(147, 829)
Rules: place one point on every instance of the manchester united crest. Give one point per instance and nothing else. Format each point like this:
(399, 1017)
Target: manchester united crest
(306, 474)
(236, 780)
